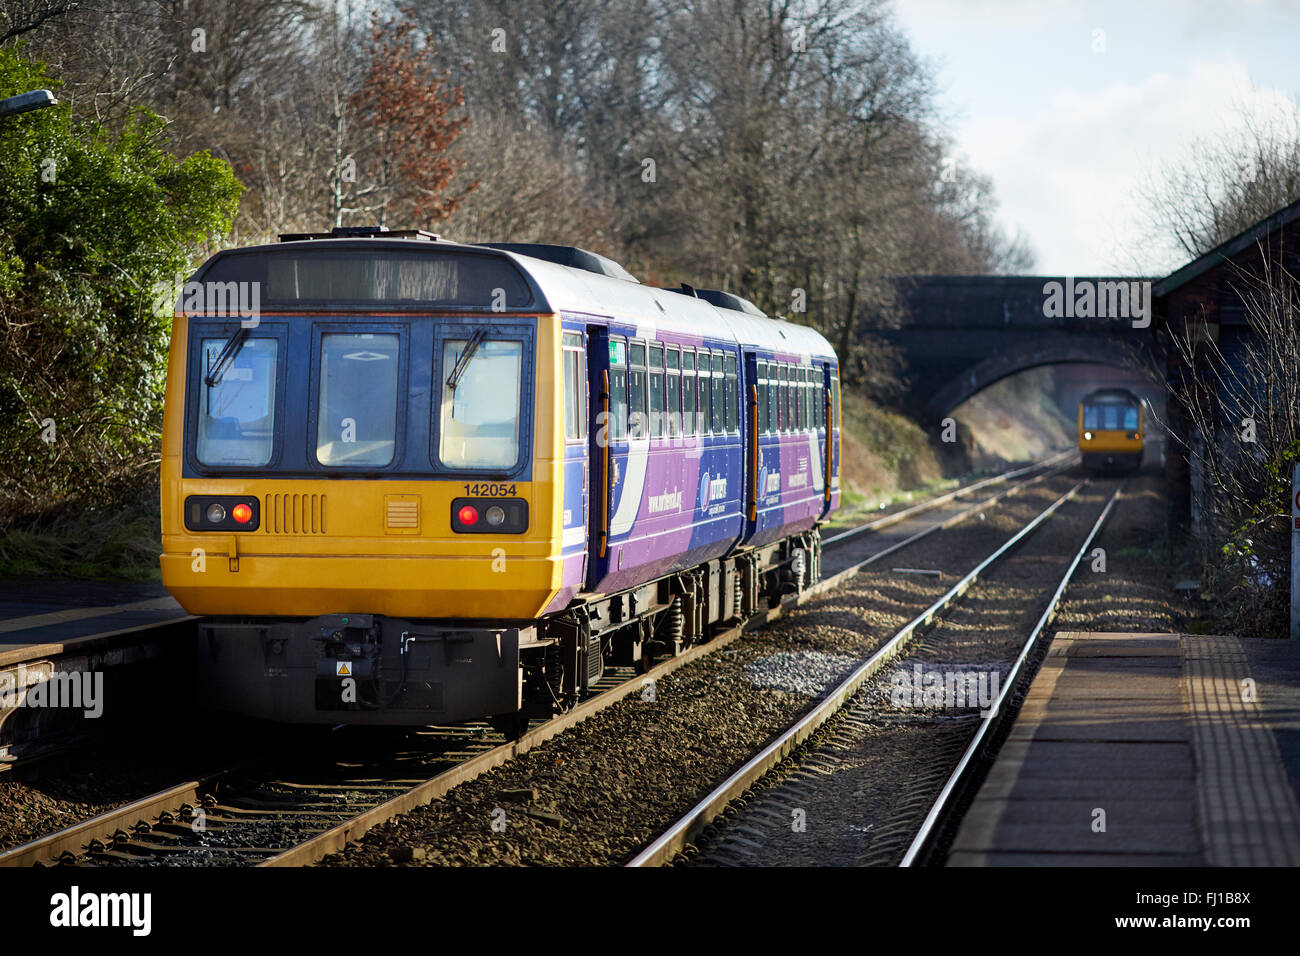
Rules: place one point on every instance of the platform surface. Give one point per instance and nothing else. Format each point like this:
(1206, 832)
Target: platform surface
(1147, 750)
(37, 612)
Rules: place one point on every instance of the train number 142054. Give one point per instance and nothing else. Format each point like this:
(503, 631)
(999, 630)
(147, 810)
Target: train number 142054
(486, 490)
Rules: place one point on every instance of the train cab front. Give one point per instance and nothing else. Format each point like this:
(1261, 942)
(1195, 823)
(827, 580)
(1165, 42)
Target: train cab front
(362, 501)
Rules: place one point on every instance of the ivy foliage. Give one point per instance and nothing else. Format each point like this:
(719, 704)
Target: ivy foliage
(94, 222)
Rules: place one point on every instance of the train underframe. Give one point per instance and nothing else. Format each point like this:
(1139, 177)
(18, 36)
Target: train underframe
(359, 668)
(1112, 462)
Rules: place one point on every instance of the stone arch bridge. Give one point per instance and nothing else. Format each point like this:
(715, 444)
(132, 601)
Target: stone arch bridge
(960, 334)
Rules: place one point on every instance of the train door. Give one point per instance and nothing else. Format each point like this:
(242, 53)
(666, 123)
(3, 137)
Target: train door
(830, 445)
(608, 447)
(755, 412)
(577, 459)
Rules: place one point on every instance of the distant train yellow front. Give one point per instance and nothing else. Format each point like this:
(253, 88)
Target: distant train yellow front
(1111, 430)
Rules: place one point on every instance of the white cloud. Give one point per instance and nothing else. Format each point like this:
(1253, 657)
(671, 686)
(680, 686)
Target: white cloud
(1067, 172)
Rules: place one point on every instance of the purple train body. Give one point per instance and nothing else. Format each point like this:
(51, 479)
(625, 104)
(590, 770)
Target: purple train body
(701, 502)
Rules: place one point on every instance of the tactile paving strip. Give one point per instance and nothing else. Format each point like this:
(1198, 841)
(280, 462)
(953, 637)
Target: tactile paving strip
(1248, 813)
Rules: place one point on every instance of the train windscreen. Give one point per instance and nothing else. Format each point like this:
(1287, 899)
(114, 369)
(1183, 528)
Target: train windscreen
(1110, 417)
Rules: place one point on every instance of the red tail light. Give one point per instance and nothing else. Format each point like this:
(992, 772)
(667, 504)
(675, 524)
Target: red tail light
(468, 514)
(241, 513)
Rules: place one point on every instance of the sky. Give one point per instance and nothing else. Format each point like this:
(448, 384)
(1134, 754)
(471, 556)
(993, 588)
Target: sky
(1068, 133)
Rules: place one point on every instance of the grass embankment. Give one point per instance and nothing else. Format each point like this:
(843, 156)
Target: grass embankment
(889, 459)
(116, 537)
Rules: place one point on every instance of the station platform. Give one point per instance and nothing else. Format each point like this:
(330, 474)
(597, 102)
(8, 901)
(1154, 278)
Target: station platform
(38, 612)
(1147, 750)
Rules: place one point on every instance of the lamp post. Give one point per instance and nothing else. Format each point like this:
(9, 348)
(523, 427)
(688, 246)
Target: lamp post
(23, 102)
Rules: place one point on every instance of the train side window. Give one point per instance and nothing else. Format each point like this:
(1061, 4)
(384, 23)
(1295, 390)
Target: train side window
(575, 391)
(705, 393)
(688, 392)
(772, 394)
(656, 390)
(636, 423)
(796, 398)
(818, 397)
(673, 381)
(356, 420)
(719, 396)
(806, 390)
(835, 398)
(782, 398)
(733, 395)
(762, 397)
(812, 399)
(618, 387)
(237, 413)
(792, 421)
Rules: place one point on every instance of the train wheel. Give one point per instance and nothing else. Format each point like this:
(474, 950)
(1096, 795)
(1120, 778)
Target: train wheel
(511, 726)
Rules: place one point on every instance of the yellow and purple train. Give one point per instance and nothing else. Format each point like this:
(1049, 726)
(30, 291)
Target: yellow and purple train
(1111, 429)
(409, 481)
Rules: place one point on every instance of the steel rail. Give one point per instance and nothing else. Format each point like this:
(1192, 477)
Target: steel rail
(996, 715)
(668, 844)
(75, 839)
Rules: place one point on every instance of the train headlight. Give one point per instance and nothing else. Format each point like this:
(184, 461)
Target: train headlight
(1087, 436)
(500, 515)
(221, 513)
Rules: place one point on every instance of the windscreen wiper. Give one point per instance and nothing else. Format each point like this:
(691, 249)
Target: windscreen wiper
(462, 363)
(225, 357)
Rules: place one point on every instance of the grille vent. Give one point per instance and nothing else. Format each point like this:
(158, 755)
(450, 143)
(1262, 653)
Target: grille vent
(294, 514)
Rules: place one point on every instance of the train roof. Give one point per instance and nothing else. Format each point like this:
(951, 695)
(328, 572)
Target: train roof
(558, 279)
(1111, 396)
(653, 310)
(570, 256)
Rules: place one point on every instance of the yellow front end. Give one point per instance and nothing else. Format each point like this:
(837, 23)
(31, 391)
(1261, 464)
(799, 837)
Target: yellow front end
(372, 545)
(1108, 441)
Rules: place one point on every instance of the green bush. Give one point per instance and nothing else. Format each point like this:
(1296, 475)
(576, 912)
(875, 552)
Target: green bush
(93, 222)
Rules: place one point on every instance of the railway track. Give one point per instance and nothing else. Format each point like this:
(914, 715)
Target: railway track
(809, 770)
(249, 815)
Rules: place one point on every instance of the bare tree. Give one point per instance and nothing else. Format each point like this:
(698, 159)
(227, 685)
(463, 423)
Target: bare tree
(1242, 400)
(20, 17)
(1225, 184)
